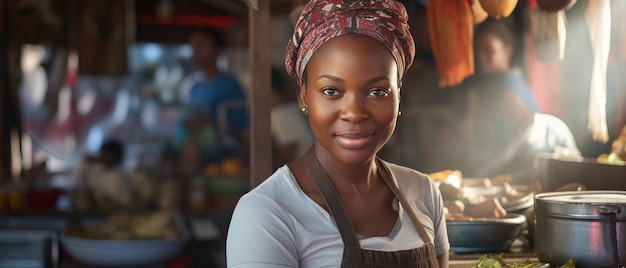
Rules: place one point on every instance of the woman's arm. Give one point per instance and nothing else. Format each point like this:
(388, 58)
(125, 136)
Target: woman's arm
(259, 235)
(443, 260)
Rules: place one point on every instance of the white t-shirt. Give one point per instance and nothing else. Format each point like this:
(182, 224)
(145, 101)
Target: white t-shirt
(278, 225)
(109, 184)
(290, 126)
(549, 134)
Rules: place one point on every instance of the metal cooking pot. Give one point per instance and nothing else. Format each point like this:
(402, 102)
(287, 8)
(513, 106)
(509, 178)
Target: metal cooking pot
(589, 226)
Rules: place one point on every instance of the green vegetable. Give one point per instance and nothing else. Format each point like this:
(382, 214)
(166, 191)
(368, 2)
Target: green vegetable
(569, 264)
(487, 261)
(529, 265)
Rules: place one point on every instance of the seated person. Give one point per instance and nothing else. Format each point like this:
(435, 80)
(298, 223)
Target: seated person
(505, 136)
(104, 177)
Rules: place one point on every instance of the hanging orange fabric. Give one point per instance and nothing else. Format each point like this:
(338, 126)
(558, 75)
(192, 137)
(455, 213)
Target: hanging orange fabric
(450, 25)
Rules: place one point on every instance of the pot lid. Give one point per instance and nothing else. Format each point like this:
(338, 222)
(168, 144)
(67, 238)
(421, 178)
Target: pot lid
(587, 197)
(582, 204)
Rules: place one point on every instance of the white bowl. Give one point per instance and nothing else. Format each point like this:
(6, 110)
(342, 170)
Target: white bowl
(120, 253)
(125, 253)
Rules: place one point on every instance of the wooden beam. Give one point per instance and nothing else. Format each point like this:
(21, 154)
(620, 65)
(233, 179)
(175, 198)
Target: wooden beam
(260, 94)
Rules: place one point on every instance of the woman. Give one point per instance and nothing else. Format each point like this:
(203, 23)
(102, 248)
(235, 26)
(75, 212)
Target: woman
(495, 46)
(340, 205)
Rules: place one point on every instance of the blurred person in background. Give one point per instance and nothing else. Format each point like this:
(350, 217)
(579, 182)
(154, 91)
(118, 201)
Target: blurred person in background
(104, 177)
(290, 130)
(494, 50)
(216, 100)
(506, 136)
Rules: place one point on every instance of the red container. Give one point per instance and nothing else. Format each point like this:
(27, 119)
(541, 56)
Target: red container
(43, 200)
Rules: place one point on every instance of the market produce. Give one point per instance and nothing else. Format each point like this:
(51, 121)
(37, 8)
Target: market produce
(490, 261)
(477, 204)
(490, 209)
(449, 192)
(453, 177)
(130, 226)
(479, 13)
(618, 151)
(498, 8)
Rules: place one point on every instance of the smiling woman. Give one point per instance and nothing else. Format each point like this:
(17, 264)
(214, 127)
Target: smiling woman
(352, 117)
(339, 204)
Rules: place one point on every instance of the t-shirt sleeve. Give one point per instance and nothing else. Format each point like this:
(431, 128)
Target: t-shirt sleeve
(259, 235)
(442, 245)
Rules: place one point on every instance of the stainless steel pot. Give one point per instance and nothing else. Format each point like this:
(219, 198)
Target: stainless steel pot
(589, 226)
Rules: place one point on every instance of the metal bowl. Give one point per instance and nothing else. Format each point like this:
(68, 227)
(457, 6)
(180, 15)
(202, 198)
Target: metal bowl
(485, 234)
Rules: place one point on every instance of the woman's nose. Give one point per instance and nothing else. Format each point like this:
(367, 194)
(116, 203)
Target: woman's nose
(354, 109)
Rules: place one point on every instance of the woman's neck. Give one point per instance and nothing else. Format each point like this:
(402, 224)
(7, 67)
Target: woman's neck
(356, 179)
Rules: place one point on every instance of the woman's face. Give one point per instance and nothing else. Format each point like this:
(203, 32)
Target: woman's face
(352, 96)
(493, 54)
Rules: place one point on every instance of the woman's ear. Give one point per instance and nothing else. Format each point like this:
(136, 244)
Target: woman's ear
(302, 99)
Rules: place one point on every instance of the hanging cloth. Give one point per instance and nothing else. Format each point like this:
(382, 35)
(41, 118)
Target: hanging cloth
(451, 30)
(598, 19)
(549, 33)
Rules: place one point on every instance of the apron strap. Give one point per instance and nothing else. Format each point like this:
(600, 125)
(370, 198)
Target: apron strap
(329, 193)
(386, 173)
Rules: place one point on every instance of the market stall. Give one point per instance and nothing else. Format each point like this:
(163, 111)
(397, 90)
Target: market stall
(429, 122)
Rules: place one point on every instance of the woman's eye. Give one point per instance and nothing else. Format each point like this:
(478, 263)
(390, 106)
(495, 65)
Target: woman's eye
(330, 91)
(379, 92)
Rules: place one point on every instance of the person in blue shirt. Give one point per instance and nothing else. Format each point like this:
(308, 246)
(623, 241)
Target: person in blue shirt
(213, 89)
(216, 101)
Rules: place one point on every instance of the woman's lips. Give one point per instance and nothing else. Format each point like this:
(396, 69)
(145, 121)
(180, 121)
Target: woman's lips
(354, 140)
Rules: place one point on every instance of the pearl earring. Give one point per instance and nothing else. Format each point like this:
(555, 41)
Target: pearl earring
(399, 113)
(304, 109)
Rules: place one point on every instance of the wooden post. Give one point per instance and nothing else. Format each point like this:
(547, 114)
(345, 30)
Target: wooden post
(260, 94)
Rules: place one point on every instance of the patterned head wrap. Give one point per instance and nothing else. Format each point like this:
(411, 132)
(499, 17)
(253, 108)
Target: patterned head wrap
(322, 20)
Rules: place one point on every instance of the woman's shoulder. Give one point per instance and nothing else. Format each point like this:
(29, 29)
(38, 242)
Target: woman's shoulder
(278, 191)
(407, 177)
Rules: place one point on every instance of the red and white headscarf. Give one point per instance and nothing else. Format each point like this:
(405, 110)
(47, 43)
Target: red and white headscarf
(322, 20)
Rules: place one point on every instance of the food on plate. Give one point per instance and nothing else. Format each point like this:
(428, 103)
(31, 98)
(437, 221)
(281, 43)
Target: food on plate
(459, 217)
(611, 158)
(501, 178)
(491, 261)
(473, 199)
(452, 177)
(618, 151)
(484, 182)
(129, 226)
(490, 208)
(454, 206)
(511, 194)
(450, 192)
